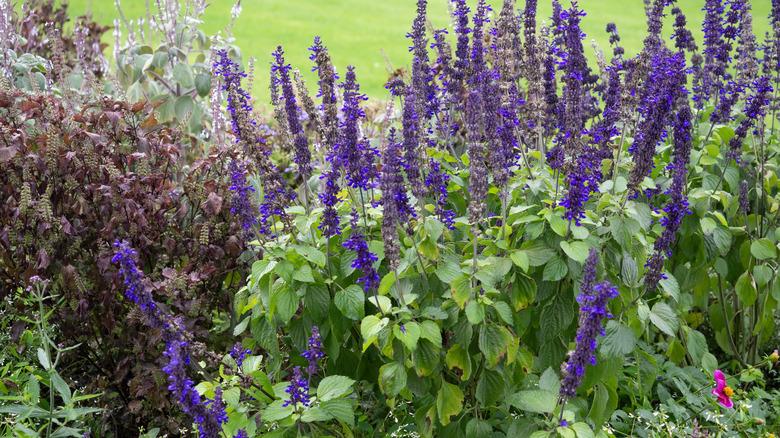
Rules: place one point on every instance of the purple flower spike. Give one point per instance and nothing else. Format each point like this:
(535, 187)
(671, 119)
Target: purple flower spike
(593, 300)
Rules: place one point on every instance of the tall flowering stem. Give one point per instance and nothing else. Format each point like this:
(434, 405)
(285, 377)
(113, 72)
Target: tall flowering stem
(397, 210)
(663, 86)
(422, 75)
(353, 154)
(327, 92)
(277, 196)
(298, 390)
(313, 352)
(593, 299)
(755, 109)
(676, 207)
(241, 202)
(302, 156)
(209, 415)
(436, 181)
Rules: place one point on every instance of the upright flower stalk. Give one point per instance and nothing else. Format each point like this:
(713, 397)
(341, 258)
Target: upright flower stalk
(593, 299)
(209, 415)
(302, 154)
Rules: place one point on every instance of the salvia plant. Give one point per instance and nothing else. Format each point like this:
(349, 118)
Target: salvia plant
(515, 242)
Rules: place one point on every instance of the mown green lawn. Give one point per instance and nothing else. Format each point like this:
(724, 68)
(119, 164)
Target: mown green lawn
(370, 33)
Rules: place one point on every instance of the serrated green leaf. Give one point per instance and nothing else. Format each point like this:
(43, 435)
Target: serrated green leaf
(449, 402)
(408, 333)
(392, 378)
(458, 359)
(618, 341)
(334, 386)
(663, 317)
(340, 409)
(555, 269)
(351, 302)
(276, 411)
(577, 251)
(534, 400)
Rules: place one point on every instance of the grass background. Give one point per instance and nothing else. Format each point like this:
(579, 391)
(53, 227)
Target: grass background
(370, 34)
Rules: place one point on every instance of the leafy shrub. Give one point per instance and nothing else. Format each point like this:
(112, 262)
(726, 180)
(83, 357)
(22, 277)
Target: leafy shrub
(75, 179)
(526, 247)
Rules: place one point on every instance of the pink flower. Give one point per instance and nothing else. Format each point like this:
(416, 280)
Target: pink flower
(722, 390)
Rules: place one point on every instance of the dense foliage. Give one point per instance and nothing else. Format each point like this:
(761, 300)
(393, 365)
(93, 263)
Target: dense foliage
(516, 243)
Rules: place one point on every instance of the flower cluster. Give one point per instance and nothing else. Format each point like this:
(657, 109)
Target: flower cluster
(239, 353)
(298, 390)
(437, 181)
(593, 300)
(241, 202)
(209, 415)
(676, 207)
(754, 110)
(397, 210)
(365, 259)
(280, 72)
(664, 85)
(352, 153)
(314, 351)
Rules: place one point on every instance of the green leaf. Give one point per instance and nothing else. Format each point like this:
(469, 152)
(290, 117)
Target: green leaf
(598, 407)
(350, 302)
(387, 282)
(618, 341)
(276, 411)
(311, 254)
(583, 430)
(477, 428)
(493, 343)
(409, 335)
(334, 386)
(183, 107)
(697, 345)
(670, 286)
(315, 413)
(763, 249)
(317, 302)
(43, 358)
(449, 402)
(504, 311)
(458, 359)
(746, 289)
(558, 224)
(521, 259)
(556, 316)
(370, 328)
(303, 274)
(555, 269)
(340, 409)
(61, 387)
(549, 381)
(538, 253)
(203, 84)
(523, 292)
(709, 362)
(430, 330)
(392, 378)
(461, 290)
(449, 269)
(577, 251)
(284, 303)
(426, 358)
(663, 317)
(490, 387)
(475, 312)
(534, 400)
